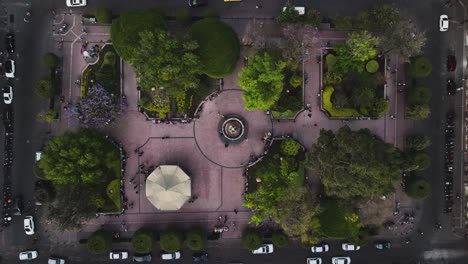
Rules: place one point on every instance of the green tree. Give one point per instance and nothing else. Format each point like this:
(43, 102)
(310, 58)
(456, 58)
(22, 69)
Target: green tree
(262, 80)
(219, 47)
(171, 240)
(313, 16)
(418, 112)
(126, 29)
(420, 67)
(143, 240)
(418, 142)
(48, 116)
(343, 23)
(295, 81)
(354, 164)
(45, 88)
(103, 15)
(417, 188)
(362, 238)
(405, 38)
(419, 95)
(361, 46)
(385, 17)
(290, 147)
(289, 15)
(196, 239)
(338, 220)
(417, 161)
(99, 242)
(251, 239)
(363, 21)
(279, 239)
(167, 63)
(51, 60)
(372, 66)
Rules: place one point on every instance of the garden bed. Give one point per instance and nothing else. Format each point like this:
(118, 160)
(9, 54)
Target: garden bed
(291, 99)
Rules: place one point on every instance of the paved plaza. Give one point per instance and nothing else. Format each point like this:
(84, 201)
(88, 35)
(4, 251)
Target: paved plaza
(216, 170)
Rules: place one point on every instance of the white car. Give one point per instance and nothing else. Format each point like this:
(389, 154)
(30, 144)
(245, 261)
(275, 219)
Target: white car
(10, 69)
(29, 225)
(341, 260)
(349, 247)
(76, 3)
(118, 255)
(28, 255)
(264, 249)
(170, 256)
(8, 94)
(320, 248)
(443, 23)
(314, 260)
(55, 261)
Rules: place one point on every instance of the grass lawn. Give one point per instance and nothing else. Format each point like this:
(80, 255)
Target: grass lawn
(336, 112)
(105, 72)
(113, 192)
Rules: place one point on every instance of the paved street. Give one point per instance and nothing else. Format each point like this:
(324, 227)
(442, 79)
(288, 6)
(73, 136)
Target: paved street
(37, 37)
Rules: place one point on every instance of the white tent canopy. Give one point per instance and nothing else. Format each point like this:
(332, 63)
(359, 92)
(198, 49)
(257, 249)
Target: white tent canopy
(168, 187)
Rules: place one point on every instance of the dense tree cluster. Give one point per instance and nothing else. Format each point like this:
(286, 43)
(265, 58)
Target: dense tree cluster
(354, 164)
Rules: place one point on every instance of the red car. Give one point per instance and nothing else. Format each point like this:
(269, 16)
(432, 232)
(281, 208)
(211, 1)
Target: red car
(451, 63)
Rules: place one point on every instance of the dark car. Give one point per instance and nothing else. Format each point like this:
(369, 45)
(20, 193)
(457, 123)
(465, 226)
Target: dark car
(451, 87)
(451, 63)
(200, 257)
(195, 3)
(18, 206)
(10, 43)
(142, 258)
(383, 245)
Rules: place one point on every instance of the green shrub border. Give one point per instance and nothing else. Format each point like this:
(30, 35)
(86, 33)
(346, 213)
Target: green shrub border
(334, 112)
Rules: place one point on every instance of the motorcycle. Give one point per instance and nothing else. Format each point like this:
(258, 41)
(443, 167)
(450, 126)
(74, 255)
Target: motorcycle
(63, 27)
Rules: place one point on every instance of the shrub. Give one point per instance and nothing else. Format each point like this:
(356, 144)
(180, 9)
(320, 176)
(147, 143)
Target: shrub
(362, 238)
(330, 59)
(45, 88)
(417, 142)
(419, 95)
(279, 239)
(418, 112)
(372, 66)
(170, 241)
(420, 67)
(313, 16)
(183, 16)
(103, 15)
(328, 105)
(343, 23)
(295, 81)
(51, 60)
(417, 188)
(99, 242)
(48, 116)
(219, 46)
(196, 239)
(251, 239)
(290, 147)
(143, 240)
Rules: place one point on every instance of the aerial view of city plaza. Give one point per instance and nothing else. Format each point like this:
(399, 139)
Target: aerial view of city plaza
(234, 131)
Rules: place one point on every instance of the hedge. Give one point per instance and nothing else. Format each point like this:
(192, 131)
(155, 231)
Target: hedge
(334, 112)
(372, 66)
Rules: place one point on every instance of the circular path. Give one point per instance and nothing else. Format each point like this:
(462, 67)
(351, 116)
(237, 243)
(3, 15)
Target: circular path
(207, 137)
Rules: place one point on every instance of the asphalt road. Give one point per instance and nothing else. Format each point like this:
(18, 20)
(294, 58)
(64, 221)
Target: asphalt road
(33, 39)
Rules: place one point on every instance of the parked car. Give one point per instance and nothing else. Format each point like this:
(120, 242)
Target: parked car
(382, 245)
(76, 3)
(29, 225)
(320, 248)
(118, 255)
(341, 260)
(451, 89)
(10, 69)
(349, 247)
(196, 3)
(10, 42)
(451, 63)
(18, 206)
(55, 261)
(264, 249)
(8, 94)
(314, 260)
(443, 23)
(200, 257)
(142, 258)
(171, 256)
(28, 255)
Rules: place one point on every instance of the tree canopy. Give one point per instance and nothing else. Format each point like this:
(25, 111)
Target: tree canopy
(418, 112)
(126, 28)
(360, 46)
(417, 188)
(99, 242)
(166, 62)
(354, 164)
(385, 16)
(143, 240)
(251, 239)
(262, 80)
(406, 38)
(171, 240)
(103, 15)
(219, 46)
(196, 239)
(417, 142)
(45, 88)
(51, 60)
(338, 220)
